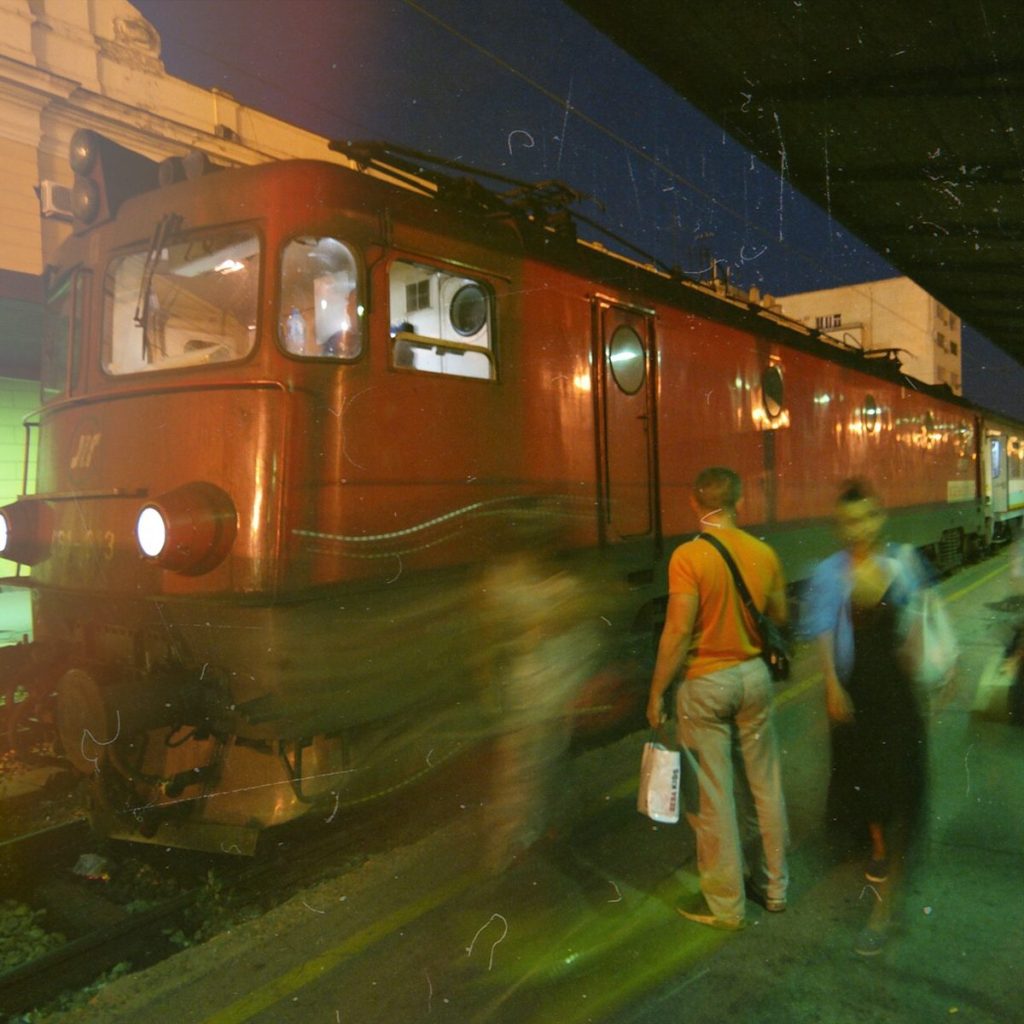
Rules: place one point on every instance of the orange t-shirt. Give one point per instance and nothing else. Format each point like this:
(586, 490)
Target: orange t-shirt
(723, 634)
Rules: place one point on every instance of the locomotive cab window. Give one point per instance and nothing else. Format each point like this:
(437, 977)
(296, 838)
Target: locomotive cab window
(184, 304)
(321, 314)
(440, 322)
(62, 328)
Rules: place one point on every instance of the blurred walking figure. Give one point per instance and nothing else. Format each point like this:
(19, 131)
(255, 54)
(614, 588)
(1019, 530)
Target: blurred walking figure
(724, 703)
(1013, 656)
(853, 610)
(1017, 567)
(538, 647)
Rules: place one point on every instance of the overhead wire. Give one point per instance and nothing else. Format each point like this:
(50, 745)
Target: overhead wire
(631, 147)
(564, 104)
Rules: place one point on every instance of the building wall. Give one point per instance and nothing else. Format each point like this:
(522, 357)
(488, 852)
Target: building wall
(69, 64)
(894, 313)
(20, 240)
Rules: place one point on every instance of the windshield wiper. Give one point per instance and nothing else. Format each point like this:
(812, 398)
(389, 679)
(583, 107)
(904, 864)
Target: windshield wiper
(165, 229)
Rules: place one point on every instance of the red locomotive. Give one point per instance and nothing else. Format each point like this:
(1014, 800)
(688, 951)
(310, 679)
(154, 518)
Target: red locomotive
(285, 408)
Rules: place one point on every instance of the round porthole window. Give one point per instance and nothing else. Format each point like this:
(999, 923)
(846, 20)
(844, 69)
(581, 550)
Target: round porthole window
(626, 355)
(773, 392)
(468, 311)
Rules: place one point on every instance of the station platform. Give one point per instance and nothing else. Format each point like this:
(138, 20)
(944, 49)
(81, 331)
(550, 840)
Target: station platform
(583, 928)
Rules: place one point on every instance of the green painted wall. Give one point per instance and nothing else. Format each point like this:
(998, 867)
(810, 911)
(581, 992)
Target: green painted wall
(17, 399)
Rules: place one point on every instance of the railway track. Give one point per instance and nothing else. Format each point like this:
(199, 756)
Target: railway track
(104, 931)
(45, 877)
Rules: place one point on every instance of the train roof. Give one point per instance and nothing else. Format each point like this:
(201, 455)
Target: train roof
(549, 231)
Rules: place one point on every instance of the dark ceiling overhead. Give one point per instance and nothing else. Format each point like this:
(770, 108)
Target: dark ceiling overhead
(903, 119)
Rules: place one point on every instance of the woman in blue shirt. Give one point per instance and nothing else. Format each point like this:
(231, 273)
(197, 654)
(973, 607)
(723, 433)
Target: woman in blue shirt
(853, 612)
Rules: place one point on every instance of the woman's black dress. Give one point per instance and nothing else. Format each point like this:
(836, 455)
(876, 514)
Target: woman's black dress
(879, 761)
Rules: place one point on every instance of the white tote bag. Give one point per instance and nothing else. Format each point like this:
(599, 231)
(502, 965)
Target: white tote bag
(930, 649)
(658, 796)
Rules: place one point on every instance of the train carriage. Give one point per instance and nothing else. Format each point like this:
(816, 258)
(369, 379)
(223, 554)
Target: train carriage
(289, 410)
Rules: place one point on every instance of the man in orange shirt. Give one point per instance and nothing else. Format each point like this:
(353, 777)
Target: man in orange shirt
(725, 702)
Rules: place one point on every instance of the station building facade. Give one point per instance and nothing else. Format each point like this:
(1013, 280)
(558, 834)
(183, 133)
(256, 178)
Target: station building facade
(894, 313)
(70, 64)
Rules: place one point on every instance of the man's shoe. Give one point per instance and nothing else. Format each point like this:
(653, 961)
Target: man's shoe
(725, 924)
(877, 870)
(773, 906)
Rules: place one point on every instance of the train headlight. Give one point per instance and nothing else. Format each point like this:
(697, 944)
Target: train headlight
(25, 531)
(151, 531)
(188, 530)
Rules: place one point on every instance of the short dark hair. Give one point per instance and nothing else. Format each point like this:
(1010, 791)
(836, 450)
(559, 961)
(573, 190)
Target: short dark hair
(856, 489)
(717, 487)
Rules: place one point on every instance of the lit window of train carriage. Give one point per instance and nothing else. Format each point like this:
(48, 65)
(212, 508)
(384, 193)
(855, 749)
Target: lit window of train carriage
(441, 322)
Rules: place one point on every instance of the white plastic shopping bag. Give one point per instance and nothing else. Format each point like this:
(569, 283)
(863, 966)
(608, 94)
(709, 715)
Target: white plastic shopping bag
(930, 649)
(658, 796)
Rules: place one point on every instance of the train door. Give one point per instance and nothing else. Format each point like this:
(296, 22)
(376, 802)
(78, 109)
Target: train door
(998, 476)
(623, 345)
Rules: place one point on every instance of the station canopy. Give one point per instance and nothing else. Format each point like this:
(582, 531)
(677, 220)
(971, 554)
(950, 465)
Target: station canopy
(921, 105)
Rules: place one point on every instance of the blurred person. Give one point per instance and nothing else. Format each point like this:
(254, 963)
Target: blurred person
(1017, 567)
(852, 610)
(538, 646)
(724, 704)
(1013, 667)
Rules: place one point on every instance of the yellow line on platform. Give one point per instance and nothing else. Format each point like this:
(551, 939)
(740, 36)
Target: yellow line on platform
(273, 992)
(963, 591)
(658, 944)
(798, 689)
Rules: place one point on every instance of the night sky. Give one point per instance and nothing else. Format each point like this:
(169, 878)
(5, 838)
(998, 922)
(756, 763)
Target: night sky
(529, 89)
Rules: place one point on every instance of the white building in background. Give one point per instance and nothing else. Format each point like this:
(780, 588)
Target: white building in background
(70, 64)
(892, 314)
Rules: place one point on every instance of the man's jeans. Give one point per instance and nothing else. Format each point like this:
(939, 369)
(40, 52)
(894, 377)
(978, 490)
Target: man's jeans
(725, 721)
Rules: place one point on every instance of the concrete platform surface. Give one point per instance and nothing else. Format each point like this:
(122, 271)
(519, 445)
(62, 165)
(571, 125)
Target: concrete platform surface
(583, 928)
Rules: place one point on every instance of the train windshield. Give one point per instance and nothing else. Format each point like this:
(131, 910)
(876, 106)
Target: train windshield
(56, 337)
(184, 304)
(321, 315)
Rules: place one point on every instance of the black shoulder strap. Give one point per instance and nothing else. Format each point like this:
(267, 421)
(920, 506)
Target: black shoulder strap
(741, 587)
